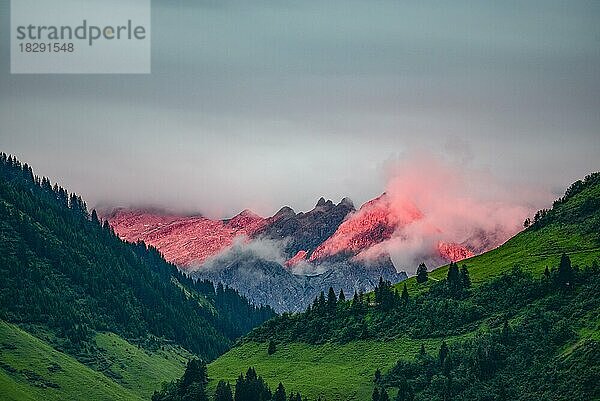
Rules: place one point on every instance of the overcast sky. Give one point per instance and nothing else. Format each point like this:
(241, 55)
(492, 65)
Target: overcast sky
(263, 103)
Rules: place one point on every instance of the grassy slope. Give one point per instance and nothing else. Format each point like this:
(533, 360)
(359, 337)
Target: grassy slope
(532, 250)
(333, 371)
(345, 372)
(137, 369)
(29, 367)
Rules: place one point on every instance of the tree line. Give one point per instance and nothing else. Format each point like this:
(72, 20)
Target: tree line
(193, 386)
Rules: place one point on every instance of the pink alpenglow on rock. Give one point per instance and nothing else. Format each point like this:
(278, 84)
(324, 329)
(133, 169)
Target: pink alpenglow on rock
(184, 240)
(299, 257)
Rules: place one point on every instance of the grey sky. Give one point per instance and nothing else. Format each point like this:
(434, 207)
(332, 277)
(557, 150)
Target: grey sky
(264, 103)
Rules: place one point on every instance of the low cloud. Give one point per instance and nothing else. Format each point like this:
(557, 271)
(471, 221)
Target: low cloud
(457, 205)
(244, 249)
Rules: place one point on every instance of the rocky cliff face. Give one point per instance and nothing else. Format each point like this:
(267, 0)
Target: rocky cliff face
(267, 282)
(304, 232)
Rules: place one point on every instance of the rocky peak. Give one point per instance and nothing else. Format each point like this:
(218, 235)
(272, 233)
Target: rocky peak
(284, 212)
(347, 202)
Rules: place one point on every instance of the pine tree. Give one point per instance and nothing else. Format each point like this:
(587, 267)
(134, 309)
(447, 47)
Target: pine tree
(377, 377)
(279, 393)
(321, 302)
(422, 274)
(565, 271)
(506, 332)
(464, 277)
(443, 353)
(547, 273)
(453, 277)
(331, 300)
(342, 296)
(375, 396)
(405, 296)
(223, 392)
(194, 381)
(405, 391)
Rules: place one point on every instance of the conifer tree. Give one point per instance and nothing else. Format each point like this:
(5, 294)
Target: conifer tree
(422, 274)
(383, 396)
(565, 271)
(377, 377)
(321, 302)
(279, 393)
(94, 217)
(240, 388)
(506, 331)
(405, 391)
(405, 296)
(547, 273)
(465, 279)
(443, 353)
(342, 296)
(272, 348)
(375, 396)
(223, 392)
(453, 277)
(194, 381)
(331, 300)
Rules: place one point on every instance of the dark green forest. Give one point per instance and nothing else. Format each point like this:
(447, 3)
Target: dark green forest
(66, 272)
(192, 386)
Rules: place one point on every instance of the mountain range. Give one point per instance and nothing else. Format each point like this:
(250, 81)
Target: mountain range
(287, 259)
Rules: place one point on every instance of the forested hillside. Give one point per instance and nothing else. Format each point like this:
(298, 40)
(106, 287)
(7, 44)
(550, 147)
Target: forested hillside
(66, 277)
(527, 327)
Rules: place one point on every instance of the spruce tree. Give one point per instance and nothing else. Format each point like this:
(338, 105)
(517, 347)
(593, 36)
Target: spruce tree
(223, 392)
(405, 296)
(547, 273)
(443, 353)
(194, 381)
(279, 393)
(377, 377)
(383, 396)
(453, 277)
(405, 391)
(331, 300)
(422, 274)
(321, 303)
(565, 271)
(342, 296)
(375, 396)
(506, 332)
(240, 388)
(465, 279)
